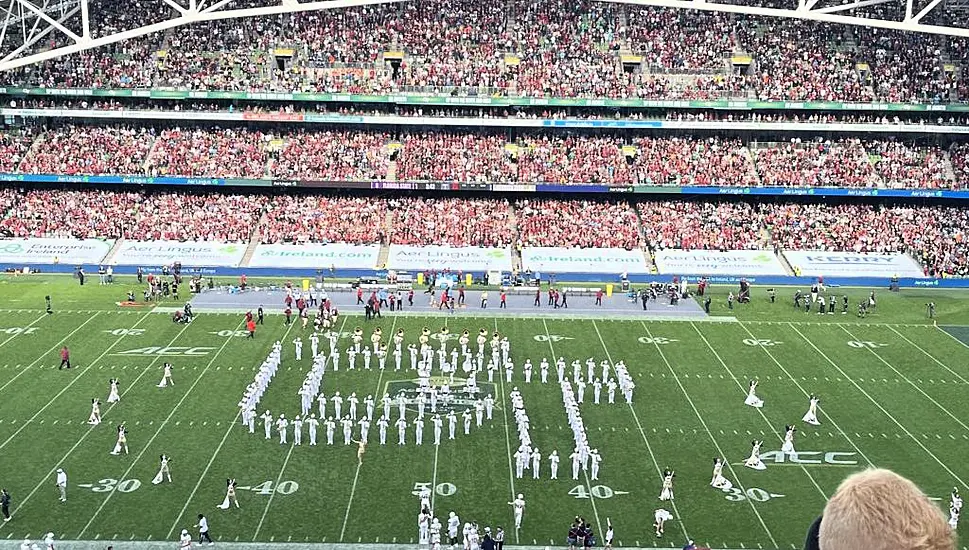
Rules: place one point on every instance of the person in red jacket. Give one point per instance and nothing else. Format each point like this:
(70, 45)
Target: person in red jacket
(599, 297)
(65, 358)
(503, 303)
(251, 327)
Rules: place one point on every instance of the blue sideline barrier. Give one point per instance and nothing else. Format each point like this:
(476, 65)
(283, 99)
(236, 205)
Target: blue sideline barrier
(762, 281)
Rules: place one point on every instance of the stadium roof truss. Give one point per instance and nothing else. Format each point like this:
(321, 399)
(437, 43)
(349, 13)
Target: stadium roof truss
(65, 25)
(912, 16)
(68, 22)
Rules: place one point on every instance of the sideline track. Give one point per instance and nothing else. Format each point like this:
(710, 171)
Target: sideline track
(168, 545)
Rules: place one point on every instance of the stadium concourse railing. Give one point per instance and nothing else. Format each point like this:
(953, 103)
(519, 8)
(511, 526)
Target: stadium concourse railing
(484, 186)
(497, 100)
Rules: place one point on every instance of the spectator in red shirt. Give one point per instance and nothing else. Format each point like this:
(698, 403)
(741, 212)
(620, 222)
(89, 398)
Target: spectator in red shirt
(65, 358)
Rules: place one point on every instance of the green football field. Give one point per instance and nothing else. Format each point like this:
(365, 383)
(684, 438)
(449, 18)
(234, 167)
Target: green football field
(893, 390)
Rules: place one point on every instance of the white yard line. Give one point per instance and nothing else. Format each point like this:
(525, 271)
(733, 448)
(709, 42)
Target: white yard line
(929, 355)
(71, 383)
(37, 320)
(356, 474)
(225, 437)
(917, 387)
(761, 411)
(592, 498)
(48, 352)
(709, 433)
(271, 496)
(504, 412)
(943, 331)
(792, 379)
(882, 409)
(160, 427)
(70, 451)
(642, 432)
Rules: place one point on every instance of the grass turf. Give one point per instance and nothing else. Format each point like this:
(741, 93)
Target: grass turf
(893, 392)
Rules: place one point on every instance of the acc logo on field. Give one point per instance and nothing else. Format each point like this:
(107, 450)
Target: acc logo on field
(167, 351)
(810, 457)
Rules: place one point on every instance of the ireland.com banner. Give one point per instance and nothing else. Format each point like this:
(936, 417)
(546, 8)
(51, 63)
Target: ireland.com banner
(419, 258)
(584, 260)
(189, 253)
(820, 263)
(316, 256)
(51, 251)
(715, 262)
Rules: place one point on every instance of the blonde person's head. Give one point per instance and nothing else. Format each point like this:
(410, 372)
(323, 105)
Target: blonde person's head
(880, 510)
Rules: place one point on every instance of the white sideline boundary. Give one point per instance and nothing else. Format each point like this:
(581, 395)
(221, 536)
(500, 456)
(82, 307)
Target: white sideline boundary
(167, 545)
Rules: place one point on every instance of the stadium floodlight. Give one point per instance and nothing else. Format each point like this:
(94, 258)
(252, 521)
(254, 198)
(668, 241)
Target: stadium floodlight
(68, 22)
(816, 10)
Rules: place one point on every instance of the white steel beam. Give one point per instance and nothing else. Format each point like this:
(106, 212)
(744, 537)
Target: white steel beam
(210, 10)
(818, 15)
(56, 24)
(187, 17)
(931, 6)
(853, 5)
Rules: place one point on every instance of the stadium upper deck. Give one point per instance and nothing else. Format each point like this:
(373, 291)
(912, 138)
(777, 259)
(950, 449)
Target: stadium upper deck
(547, 48)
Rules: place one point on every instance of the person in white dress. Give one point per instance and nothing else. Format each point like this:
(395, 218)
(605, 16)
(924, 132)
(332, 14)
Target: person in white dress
(163, 472)
(113, 396)
(660, 517)
(752, 399)
(166, 376)
(718, 480)
(122, 444)
(518, 505)
(811, 416)
(788, 446)
(230, 495)
(667, 492)
(754, 460)
(95, 417)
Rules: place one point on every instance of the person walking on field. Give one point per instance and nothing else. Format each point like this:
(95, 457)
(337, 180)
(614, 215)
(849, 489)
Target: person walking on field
(65, 358)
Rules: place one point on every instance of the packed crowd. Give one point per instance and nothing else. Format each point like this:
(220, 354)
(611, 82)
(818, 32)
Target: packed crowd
(545, 48)
(133, 215)
(936, 236)
(580, 224)
(818, 163)
(451, 222)
(334, 156)
(322, 219)
(342, 154)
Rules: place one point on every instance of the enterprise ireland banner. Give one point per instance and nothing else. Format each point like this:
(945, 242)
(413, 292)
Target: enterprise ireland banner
(715, 262)
(817, 263)
(584, 260)
(316, 256)
(51, 251)
(189, 253)
(419, 258)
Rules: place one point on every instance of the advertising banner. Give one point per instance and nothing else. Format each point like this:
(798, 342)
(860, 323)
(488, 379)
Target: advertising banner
(819, 263)
(419, 258)
(584, 260)
(715, 262)
(316, 256)
(189, 253)
(50, 251)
